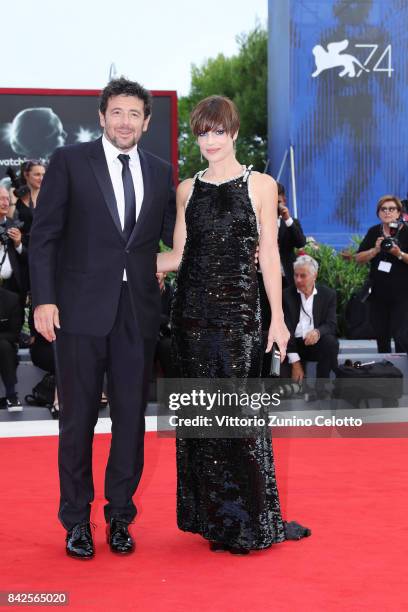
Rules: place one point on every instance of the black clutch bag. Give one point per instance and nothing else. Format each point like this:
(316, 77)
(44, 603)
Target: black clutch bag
(275, 361)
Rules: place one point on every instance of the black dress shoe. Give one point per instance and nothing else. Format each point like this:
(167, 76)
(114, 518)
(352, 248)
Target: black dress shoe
(119, 538)
(79, 542)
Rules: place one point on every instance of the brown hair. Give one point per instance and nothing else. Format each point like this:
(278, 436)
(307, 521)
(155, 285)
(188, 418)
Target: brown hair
(389, 198)
(214, 112)
(124, 87)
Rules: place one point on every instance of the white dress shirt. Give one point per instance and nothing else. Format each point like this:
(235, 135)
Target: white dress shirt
(306, 323)
(115, 171)
(6, 270)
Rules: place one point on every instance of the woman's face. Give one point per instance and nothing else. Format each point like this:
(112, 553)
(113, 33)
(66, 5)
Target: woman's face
(35, 176)
(388, 212)
(215, 145)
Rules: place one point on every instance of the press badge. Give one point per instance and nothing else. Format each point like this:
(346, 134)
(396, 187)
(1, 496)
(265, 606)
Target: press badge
(384, 266)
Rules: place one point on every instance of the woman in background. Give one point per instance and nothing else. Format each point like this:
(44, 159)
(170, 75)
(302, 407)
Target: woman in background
(388, 275)
(33, 172)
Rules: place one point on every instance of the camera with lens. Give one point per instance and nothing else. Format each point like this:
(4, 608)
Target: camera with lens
(289, 389)
(18, 183)
(4, 237)
(392, 240)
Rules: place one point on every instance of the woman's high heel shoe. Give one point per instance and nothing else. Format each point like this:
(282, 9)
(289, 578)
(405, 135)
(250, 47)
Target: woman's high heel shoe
(218, 547)
(234, 550)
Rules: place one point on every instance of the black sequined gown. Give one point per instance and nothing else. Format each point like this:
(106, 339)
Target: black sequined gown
(226, 488)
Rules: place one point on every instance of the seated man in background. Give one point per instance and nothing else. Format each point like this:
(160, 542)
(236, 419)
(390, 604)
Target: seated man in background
(10, 325)
(310, 316)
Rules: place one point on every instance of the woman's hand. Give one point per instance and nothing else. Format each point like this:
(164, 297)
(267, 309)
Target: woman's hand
(396, 251)
(278, 332)
(378, 243)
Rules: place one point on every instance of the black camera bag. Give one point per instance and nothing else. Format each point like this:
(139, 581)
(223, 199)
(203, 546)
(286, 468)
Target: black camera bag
(43, 393)
(357, 385)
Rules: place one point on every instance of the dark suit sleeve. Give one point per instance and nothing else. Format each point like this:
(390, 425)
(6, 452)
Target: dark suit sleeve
(329, 325)
(169, 219)
(23, 255)
(296, 237)
(47, 230)
(14, 323)
(290, 324)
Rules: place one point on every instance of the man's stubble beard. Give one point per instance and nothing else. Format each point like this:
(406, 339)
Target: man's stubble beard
(118, 146)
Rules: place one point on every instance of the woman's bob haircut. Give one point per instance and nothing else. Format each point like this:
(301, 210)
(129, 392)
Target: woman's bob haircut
(213, 113)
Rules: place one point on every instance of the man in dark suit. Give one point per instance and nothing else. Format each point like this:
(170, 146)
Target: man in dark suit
(310, 316)
(13, 255)
(290, 237)
(10, 325)
(102, 209)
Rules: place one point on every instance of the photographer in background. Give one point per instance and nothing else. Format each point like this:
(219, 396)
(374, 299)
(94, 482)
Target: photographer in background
(290, 237)
(13, 255)
(385, 247)
(26, 189)
(10, 324)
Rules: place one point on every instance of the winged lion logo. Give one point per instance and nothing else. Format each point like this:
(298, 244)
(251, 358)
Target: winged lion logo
(333, 58)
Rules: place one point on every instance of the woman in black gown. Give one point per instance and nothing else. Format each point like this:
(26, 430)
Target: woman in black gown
(226, 488)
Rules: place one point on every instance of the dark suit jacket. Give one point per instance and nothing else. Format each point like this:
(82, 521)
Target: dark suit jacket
(290, 238)
(77, 250)
(10, 316)
(324, 312)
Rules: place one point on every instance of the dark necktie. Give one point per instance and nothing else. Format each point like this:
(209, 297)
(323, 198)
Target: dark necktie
(130, 198)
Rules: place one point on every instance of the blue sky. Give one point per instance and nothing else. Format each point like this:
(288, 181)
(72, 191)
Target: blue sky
(72, 43)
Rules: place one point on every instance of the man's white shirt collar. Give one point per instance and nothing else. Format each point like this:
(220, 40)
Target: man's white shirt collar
(111, 152)
(303, 295)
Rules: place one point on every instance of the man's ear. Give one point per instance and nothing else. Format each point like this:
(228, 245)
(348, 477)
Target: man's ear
(146, 123)
(101, 119)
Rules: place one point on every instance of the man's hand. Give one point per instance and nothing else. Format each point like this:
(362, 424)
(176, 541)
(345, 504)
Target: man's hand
(15, 235)
(160, 279)
(298, 372)
(312, 337)
(46, 319)
(284, 212)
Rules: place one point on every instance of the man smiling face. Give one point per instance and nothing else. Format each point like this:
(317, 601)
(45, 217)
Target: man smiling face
(124, 121)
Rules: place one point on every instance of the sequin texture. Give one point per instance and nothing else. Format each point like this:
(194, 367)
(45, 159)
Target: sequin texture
(226, 488)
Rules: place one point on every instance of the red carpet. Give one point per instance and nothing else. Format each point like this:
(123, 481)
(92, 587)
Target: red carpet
(351, 492)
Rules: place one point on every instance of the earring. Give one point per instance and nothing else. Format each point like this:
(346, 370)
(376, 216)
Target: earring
(201, 157)
(234, 144)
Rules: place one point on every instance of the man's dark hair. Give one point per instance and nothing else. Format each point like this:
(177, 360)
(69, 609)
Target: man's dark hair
(281, 189)
(124, 87)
